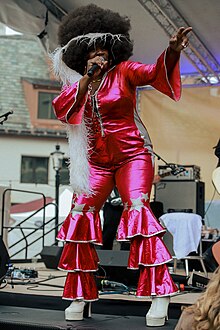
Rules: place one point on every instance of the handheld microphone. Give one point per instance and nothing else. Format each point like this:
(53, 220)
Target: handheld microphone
(93, 69)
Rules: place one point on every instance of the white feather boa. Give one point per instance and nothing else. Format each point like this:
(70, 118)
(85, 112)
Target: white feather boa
(78, 155)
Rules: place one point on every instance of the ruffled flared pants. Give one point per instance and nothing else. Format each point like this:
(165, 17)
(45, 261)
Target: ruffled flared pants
(82, 230)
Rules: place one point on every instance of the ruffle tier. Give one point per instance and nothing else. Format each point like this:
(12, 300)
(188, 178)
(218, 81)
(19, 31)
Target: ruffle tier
(81, 230)
(155, 281)
(79, 257)
(135, 223)
(80, 285)
(81, 227)
(147, 251)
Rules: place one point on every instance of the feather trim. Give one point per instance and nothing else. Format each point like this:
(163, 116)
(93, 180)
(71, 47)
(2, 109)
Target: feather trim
(78, 154)
(61, 70)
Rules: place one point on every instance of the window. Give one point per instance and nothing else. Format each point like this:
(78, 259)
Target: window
(34, 169)
(45, 109)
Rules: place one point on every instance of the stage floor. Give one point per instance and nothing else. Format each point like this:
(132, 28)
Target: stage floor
(14, 317)
(38, 302)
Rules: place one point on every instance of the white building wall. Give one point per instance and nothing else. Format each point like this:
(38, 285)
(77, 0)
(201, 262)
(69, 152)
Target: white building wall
(12, 149)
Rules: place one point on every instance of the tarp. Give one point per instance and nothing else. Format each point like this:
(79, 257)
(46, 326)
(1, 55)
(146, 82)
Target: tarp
(185, 132)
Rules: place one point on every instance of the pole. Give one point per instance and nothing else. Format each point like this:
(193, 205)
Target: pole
(57, 184)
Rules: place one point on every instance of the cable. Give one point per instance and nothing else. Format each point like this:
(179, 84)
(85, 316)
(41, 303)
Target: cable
(21, 281)
(210, 202)
(33, 288)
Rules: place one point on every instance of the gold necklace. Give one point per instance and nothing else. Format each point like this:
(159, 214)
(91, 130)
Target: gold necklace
(96, 80)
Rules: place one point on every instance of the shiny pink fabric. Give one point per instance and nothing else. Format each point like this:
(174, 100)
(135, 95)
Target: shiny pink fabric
(72, 228)
(80, 285)
(119, 154)
(79, 257)
(134, 222)
(155, 281)
(66, 103)
(147, 252)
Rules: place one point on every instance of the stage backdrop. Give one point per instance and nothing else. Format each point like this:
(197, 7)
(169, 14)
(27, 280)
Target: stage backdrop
(185, 132)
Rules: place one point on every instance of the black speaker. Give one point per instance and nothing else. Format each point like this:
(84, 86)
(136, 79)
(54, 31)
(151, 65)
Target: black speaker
(113, 267)
(4, 260)
(51, 255)
(181, 195)
(113, 258)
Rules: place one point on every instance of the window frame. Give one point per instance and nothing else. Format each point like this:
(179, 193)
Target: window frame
(35, 167)
(38, 104)
(31, 91)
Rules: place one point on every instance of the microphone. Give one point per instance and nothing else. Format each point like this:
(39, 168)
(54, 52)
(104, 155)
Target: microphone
(114, 285)
(108, 283)
(95, 66)
(6, 114)
(175, 169)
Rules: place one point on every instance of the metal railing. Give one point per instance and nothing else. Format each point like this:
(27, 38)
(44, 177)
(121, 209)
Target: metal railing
(21, 225)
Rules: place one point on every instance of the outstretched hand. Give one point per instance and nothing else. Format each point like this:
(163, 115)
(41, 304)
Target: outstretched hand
(179, 41)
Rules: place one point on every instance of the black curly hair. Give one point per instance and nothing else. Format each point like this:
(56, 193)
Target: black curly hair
(93, 19)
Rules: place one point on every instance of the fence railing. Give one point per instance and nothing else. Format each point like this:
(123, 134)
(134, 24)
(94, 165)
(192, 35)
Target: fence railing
(28, 233)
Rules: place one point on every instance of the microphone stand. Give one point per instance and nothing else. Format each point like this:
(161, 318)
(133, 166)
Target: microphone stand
(175, 169)
(5, 117)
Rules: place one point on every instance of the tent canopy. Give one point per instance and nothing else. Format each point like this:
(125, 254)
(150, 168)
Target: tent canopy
(153, 21)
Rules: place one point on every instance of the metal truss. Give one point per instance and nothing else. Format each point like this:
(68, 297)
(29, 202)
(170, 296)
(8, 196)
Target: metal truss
(54, 8)
(170, 20)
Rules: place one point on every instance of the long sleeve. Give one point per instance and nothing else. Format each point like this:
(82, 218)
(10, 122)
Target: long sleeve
(66, 101)
(164, 75)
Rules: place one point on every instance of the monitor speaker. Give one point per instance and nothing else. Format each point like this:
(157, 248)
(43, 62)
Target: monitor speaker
(51, 255)
(113, 258)
(113, 267)
(188, 196)
(4, 260)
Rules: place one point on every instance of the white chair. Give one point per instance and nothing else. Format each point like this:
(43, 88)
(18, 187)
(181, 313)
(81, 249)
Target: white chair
(183, 237)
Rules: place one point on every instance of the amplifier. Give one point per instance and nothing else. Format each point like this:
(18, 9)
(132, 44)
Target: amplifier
(188, 173)
(181, 196)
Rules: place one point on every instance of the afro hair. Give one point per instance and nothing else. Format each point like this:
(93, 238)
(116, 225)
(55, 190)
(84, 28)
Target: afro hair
(93, 19)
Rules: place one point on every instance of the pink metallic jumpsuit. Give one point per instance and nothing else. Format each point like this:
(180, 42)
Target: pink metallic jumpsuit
(119, 154)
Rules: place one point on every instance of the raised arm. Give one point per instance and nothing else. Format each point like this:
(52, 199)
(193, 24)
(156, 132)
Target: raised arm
(164, 75)
(177, 43)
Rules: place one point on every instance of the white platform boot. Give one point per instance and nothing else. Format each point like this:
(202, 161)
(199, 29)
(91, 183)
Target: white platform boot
(77, 311)
(158, 312)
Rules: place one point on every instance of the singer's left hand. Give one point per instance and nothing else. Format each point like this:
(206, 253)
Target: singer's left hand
(180, 41)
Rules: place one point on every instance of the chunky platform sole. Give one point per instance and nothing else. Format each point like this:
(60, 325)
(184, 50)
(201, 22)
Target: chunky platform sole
(77, 314)
(153, 321)
(70, 316)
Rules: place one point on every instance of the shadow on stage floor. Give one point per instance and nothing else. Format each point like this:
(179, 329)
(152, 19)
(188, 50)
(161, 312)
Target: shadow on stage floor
(21, 311)
(38, 304)
(16, 318)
